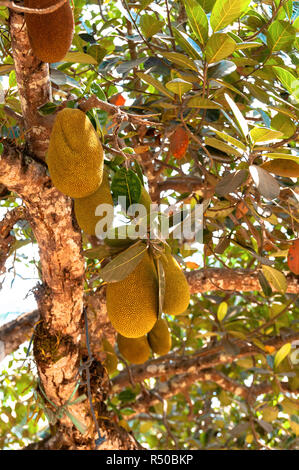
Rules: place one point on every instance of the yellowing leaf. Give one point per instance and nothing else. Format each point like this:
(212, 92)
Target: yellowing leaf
(276, 278)
(263, 134)
(222, 311)
(281, 354)
(79, 58)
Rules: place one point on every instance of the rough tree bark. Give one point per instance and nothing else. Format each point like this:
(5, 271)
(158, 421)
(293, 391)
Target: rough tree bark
(60, 296)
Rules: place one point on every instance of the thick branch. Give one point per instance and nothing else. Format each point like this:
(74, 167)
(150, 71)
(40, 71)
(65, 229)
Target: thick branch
(7, 240)
(33, 84)
(187, 184)
(205, 359)
(236, 280)
(16, 332)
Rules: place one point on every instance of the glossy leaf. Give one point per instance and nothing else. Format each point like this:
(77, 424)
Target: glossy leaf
(226, 12)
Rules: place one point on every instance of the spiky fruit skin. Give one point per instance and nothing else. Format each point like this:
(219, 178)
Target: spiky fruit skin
(85, 207)
(177, 293)
(159, 338)
(50, 35)
(75, 154)
(132, 304)
(135, 350)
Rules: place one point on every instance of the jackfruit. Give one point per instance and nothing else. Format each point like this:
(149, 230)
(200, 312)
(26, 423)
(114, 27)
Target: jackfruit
(75, 154)
(111, 358)
(282, 167)
(85, 208)
(159, 338)
(132, 304)
(177, 294)
(50, 35)
(135, 350)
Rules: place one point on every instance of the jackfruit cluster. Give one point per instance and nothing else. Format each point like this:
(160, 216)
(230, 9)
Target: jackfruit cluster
(85, 208)
(75, 154)
(138, 350)
(134, 350)
(132, 304)
(159, 338)
(50, 34)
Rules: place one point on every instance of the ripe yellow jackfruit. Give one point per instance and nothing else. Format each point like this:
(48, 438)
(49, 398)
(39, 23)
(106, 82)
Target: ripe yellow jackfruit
(132, 304)
(177, 294)
(50, 35)
(282, 167)
(159, 338)
(85, 207)
(75, 154)
(135, 350)
(111, 358)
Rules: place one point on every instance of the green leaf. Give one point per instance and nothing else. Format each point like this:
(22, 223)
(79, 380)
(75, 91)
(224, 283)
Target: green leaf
(79, 58)
(286, 156)
(222, 311)
(207, 5)
(198, 20)
(288, 80)
(218, 144)
(80, 426)
(248, 45)
(281, 354)
(226, 12)
(218, 47)
(203, 103)
(229, 139)
(238, 115)
(124, 263)
(179, 86)
(280, 36)
(187, 44)
(283, 124)
(180, 59)
(155, 83)
(263, 134)
(127, 184)
(98, 252)
(276, 278)
(150, 25)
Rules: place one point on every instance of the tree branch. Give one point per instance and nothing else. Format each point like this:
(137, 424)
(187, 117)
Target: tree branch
(16, 332)
(205, 359)
(7, 240)
(232, 280)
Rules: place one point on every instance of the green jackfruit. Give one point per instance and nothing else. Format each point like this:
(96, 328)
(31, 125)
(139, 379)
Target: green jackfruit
(75, 154)
(50, 35)
(111, 360)
(177, 294)
(132, 304)
(135, 350)
(85, 207)
(159, 338)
